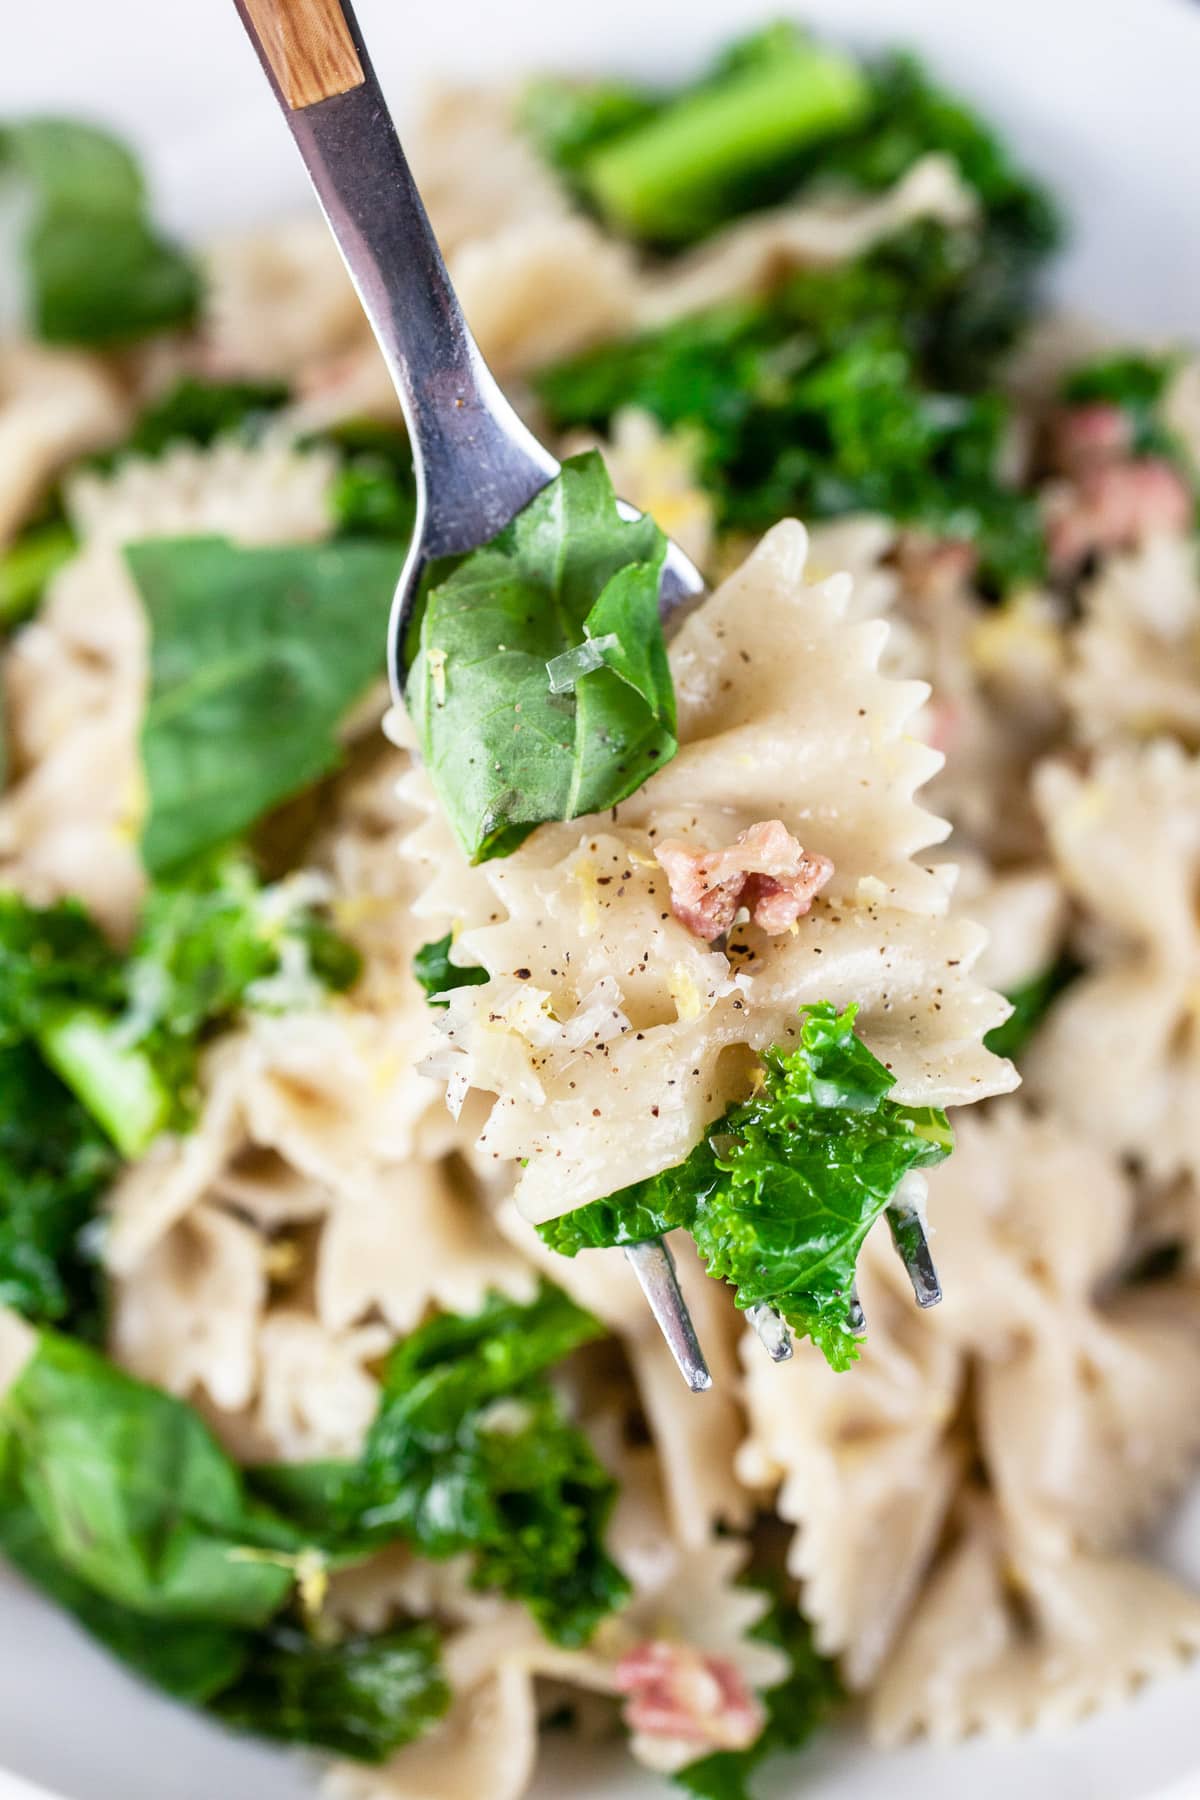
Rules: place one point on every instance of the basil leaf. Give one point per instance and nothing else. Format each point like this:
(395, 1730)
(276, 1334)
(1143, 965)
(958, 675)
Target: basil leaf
(190, 1660)
(98, 272)
(256, 656)
(504, 752)
(117, 1501)
(135, 1496)
(438, 975)
(783, 1191)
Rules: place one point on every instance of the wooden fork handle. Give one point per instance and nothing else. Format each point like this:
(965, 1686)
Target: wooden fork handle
(308, 47)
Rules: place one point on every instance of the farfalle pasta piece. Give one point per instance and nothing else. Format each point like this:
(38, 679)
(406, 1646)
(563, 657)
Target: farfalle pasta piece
(999, 1644)
(54, 405)
(537, 280)
(1118, 1059)
(408, 1238)
(316, 1395)
(1134, 666)
(187, 1316)
(866, 1465)
(279, 303)
(610, 1034)
(1089, 1430)
(1025, 914)
(1027, 1219)
(1119, 1054)
(153, 1194)
(755, 253)
(1080, 1390)
(1125, 837)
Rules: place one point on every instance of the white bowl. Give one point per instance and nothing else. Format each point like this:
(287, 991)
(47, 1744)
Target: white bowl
(1102, 97)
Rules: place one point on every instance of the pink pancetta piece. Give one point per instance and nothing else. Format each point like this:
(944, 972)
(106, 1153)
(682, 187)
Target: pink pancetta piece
(676, 1692)
(1083, 437)
(1114, 506)
(765, 869)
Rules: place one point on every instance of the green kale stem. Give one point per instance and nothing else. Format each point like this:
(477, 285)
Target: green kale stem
(652, 180)
(116, 1082)
(27, 567)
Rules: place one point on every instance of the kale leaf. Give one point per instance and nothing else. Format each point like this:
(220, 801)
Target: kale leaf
(55, 1164)
(359, 1696)
(28, 565)
(988, 275)
(118, 1502)
(816, 401)
(98, 272)
(214, 936)
(199, 412)
(568, 120)
(374, 493)
(504, 750)
(1030, 1004)
(124, 1033)
(779, 117)
(256, 657)
(61, 991)
(796, 1707)
(784, 1189)
(438, 975)
(472, 1451)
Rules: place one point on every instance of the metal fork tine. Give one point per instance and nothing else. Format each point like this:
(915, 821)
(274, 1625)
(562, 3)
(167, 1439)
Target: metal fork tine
(654, 1267)
(912, 1246)
(773, 1334)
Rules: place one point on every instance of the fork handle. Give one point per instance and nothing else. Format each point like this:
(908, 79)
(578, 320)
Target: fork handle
(476, 463)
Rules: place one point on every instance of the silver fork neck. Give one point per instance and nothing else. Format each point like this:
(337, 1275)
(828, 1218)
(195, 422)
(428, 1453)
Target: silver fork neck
(477, 463)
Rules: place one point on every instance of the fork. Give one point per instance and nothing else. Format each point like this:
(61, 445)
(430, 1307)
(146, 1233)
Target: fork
(476, 462)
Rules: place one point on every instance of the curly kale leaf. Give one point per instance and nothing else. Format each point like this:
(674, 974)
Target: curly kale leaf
(472, 1451)
(818, 400)
(200, 412)
(55, 1163)
(779, 116)
(124, 1033)
(784, 1189)
(358, 1696)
